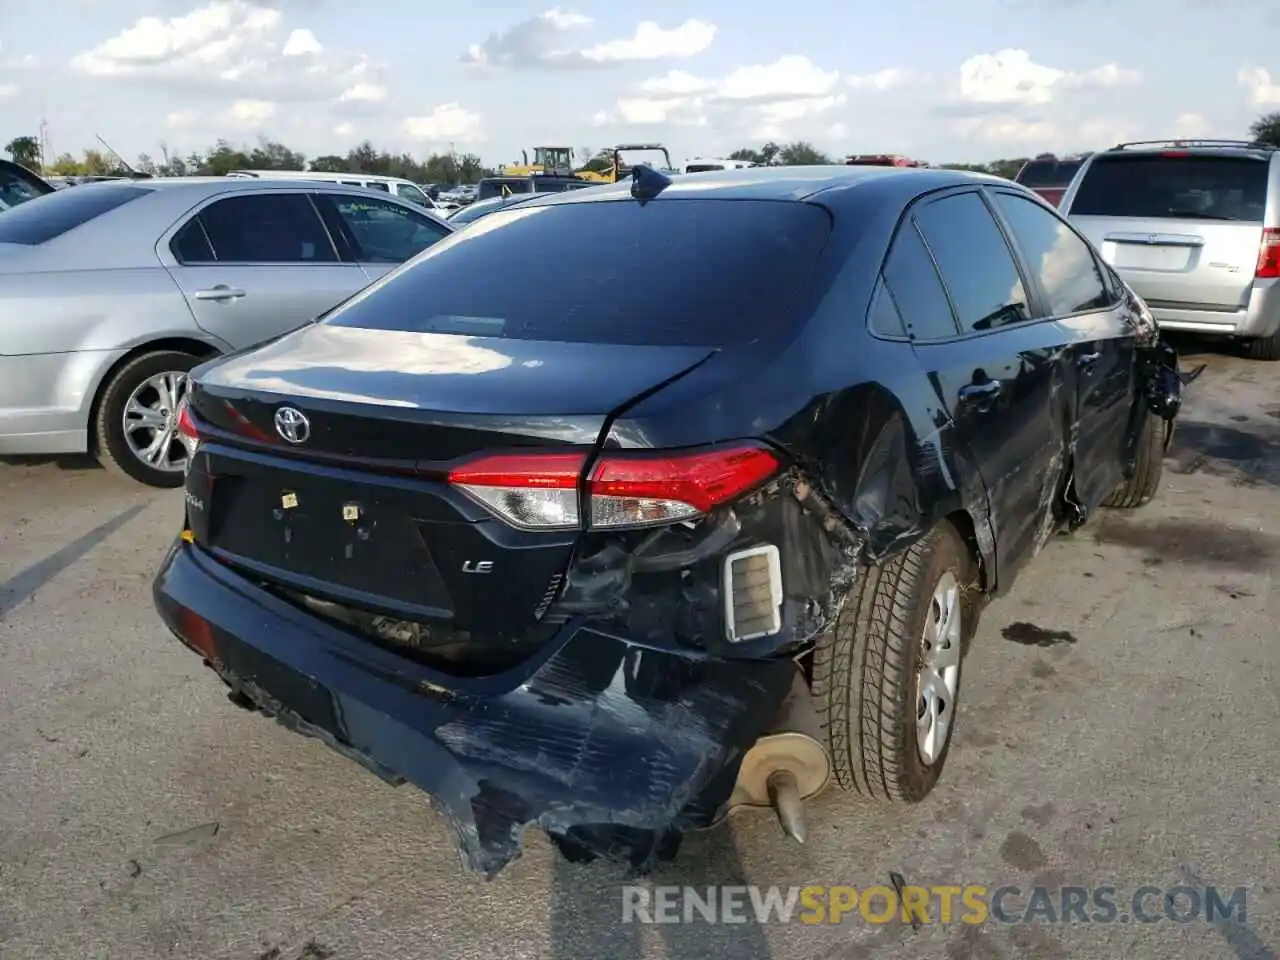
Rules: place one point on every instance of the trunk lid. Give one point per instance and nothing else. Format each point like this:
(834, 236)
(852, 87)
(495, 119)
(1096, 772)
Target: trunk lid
(356, 518)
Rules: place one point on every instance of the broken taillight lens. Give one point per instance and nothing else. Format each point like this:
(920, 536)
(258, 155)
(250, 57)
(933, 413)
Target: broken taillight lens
(1269, 255)
(187, 432)
(540, 491)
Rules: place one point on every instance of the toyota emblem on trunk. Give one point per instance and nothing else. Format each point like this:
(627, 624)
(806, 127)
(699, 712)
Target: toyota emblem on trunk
(293, 425)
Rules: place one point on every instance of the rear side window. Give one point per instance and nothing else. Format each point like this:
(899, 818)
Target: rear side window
(1048, 173)
(1056, 254)
(1174, 187)
(57, 213)
(916, 290)
(883, 316)
(975, 262)
(671, 272)
(257, 228)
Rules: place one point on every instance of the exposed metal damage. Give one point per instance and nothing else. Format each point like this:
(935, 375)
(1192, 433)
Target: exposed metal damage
(615, 749)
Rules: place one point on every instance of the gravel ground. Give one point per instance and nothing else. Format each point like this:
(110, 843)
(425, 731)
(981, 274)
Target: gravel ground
(1117, 728)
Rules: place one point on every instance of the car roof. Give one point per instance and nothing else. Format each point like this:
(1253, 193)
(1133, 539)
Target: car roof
(787, 183)
(1219, 148)
(314, 175)
(213, 185)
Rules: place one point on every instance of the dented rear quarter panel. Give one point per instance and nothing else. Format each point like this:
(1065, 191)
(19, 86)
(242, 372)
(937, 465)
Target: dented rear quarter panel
(857, 413)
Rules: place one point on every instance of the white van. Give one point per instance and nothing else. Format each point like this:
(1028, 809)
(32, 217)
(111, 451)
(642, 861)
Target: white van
(703, 164)
(405, 189)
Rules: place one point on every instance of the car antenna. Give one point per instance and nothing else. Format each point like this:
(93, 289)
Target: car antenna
(123, 162)
(647, 183)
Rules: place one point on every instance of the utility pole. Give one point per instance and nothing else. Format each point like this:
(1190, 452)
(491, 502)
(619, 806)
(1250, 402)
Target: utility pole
(43, 139)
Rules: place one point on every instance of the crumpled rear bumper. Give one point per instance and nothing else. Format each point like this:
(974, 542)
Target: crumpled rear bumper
(614, 748)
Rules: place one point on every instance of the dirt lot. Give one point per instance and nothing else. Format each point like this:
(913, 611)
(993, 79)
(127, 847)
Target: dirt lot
(1118, 727)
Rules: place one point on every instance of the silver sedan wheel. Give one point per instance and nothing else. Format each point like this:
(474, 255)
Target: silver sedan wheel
(151, 422)
(938, 678)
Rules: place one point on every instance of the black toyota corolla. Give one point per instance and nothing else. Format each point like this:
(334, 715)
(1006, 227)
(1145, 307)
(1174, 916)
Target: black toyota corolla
(629, 507)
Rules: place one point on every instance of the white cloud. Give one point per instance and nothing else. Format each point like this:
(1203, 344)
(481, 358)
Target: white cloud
(364, 93)
(252, 113)
(1263, 92)
(1012, 77)
(1020, 136)
(789, 77)
(232, 49)
(301, 43)
(768, 97)
(887, 79)
(1190, 125)
(346, 130)
(544, 41)
(210, 36)
(8, 90)
(449, 122)
(652, 42)
(181, 119)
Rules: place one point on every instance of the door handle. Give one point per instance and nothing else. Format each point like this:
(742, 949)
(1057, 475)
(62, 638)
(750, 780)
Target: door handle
(1087, 360)
(980, 395)
(220, 292)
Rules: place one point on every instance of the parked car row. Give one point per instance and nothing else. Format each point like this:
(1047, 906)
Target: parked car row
(608, 548)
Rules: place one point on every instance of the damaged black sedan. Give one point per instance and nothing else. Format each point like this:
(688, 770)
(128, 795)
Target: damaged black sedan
(633, 506)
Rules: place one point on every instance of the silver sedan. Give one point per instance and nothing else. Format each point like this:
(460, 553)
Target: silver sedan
(110, 293)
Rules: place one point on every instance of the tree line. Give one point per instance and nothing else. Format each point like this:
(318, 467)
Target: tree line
(224, 156)
(442, 168)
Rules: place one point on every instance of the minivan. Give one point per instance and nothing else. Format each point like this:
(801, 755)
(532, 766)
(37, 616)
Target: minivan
(1193, 226)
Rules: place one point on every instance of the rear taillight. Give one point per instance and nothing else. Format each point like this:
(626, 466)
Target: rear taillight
(540, 491)
(187, 431)
(1269, 255)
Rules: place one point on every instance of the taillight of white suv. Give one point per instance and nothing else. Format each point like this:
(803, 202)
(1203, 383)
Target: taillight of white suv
(1269, 255)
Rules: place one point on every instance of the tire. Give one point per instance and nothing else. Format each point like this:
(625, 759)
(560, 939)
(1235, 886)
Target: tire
(865, 668)
(110, 445)
(1142, 487)
(1264, 348)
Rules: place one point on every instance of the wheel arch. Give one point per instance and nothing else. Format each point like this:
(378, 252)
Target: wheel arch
(178, 344)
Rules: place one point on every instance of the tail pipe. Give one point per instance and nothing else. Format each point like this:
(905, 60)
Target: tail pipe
(786, 766)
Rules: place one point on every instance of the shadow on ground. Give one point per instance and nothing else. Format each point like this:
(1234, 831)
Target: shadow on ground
(70, 461)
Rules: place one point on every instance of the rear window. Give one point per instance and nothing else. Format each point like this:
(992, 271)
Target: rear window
(672, 272)
(57, 213)
(1048, 173)
(1178, 188)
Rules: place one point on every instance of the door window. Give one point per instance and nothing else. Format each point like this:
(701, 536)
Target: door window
(912, 281)
(386, 232)
(411, 193)
(976, 265)
(1059, 258)
(261, 228)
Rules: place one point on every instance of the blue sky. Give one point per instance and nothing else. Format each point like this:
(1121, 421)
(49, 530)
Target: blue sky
(942, 80)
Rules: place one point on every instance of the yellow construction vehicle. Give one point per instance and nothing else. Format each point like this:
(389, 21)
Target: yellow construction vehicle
(618, 168)
(557, 161)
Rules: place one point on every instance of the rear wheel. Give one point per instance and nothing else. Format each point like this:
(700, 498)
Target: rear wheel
(1141, 488)
(1264, 348)
(135, 430)
(886, 677)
